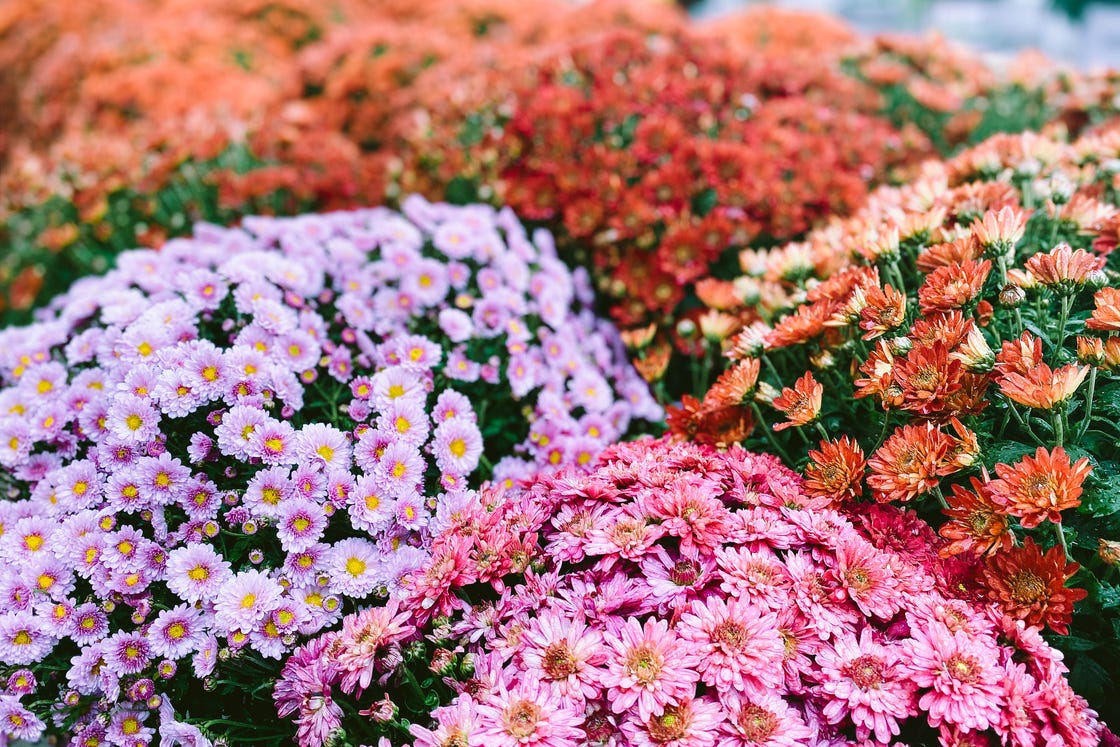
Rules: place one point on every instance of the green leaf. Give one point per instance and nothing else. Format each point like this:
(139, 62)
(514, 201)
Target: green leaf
(1109, 596)
(705, 202)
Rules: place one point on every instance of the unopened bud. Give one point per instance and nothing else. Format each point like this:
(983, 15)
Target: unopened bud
(1012, 296)
(1109, 551)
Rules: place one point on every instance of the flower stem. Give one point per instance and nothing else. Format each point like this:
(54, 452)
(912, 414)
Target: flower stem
(1060, 341)
(1088, 404)
(940, 497)
(1062, 539)
(769, 435)
(1059, 428)
(821, 430)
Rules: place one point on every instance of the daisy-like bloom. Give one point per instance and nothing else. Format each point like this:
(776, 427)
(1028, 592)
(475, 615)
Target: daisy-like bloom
(196, 572)
(1106, 314)
(406, 420)
(961, 673)
(884, 312)
(1039, 488)
(835, 471)
(323, 444)
(928, 378)
(245, 599)
(365, 637)
(867, 685)
(527, 713)
(401, 469)
(299, 524)
(1030, 586)
(755, 576)
(1042, 387)
(1063, 269)
(455, 724)
(649, 667)
(976, 523)
(133, 420)
(353, 567)
(274, 442)
(801, 326)
(690, 723)
(24, 639)
(953, 286)
(127, 653)
(564, 654)
(1019, 355)
(176, 632)
(999, 231)
(736, 385)
(693, 513)
(17, 722)
(457, 446)
(738, 644)
(909, 463)
(762, 720)
(866, 577)
(801, 404)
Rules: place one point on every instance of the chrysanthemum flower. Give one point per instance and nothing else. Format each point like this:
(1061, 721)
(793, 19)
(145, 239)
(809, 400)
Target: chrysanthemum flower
(1042, 387)
(690, 723)
(564, 654)
(909, 463)
(1106, 314)
(1030, 585)
(962, 674)
(1039, 488)
(976, 523)
(737, 642)
(801, 404)
(884, 312)
(953, 286)
(999, 231)
(648, 667)
(836, 470)
(868, 685)
(527, 714)
(762, 720)
(1064, 269)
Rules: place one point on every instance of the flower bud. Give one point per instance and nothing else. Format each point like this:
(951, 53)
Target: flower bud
(900, 345)
(1109, 551)
(1012, 296)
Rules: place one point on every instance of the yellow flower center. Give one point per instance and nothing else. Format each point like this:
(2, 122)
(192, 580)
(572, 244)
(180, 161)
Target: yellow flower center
(458, 447)
(355, 567)
(198, 573)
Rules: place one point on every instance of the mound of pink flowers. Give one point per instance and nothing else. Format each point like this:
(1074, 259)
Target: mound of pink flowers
(685, 597)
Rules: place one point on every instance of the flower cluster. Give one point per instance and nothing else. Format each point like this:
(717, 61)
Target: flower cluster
(681, 596)
(223, 446)
(960, 331)
(128, 127)
(748, 144)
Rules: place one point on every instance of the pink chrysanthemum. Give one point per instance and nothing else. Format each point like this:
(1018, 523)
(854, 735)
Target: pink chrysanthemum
(738, 644)
(867, 686)
(565, 655)
(526, 714)
(762, 720)
(648, 666)
(690, 723)
(963, 675)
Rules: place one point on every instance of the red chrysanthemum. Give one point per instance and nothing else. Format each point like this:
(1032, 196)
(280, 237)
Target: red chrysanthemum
(1030, 586)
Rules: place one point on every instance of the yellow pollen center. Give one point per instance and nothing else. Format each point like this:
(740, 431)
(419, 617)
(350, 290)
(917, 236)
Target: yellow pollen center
(402, 424)
(198, 573)
(210, 373)
(372, 502)
(326, 452)
(274, 444)
(301, 524)
(45, 386)
(458, 447)
(270, 496)
(45, 581)
(355, 566)
(22, 638)
(130, 491)
(248, 601)
(176, 631)
(399, 469)
(144, 349)
(33, 542)
(396, 390)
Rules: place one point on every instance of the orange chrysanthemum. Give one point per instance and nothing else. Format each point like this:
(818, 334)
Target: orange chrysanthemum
(949, 327)
(910, 463)
(954, 286)
(1106, 315)
(878, 378)
(1063, 268)
(835, 470)
(976, 524)
(885, 311)
(801, 326)
(927, 377)
(1019, 356)
(952, 253)
(735, 386)
(1030, 586)
(1042, 387)
(801, 403)
(1039, 488)
(1001, 230)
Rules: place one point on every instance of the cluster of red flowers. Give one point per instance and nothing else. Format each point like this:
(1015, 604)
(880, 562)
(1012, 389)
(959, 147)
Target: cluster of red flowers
(961, 322)
(687, 144)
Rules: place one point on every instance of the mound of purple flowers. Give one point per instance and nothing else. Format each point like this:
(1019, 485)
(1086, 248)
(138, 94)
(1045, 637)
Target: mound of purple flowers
(220, 447)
